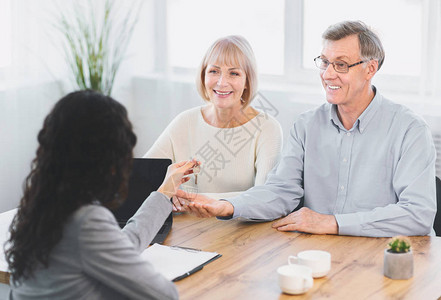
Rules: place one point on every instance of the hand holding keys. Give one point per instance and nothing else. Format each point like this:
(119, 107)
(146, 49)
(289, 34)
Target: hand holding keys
(196, 171)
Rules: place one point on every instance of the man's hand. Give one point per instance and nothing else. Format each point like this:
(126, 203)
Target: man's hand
(307, 220)
(205, 207)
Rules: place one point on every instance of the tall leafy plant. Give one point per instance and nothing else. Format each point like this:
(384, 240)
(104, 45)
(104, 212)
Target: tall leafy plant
(95, 38)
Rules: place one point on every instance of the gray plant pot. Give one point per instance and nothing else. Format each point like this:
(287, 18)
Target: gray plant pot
(398, 265)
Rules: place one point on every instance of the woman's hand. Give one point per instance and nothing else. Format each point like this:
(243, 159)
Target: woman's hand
(175, 177)
(179, 204)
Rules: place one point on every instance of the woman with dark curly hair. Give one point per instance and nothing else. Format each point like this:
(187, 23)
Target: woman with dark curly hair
(65, 243)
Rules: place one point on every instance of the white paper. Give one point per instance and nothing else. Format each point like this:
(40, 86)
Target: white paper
(173, 262)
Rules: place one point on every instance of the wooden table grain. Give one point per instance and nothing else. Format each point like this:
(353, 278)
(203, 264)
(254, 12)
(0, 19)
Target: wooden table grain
(252, 252)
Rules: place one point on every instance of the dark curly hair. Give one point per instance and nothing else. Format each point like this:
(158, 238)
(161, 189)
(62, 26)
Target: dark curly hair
(84, 155)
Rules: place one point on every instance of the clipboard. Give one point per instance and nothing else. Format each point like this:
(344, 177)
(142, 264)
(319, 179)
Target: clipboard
(176, 263)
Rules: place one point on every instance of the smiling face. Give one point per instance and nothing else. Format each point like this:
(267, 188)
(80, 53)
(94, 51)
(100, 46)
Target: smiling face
(225, 85)
(346, 89)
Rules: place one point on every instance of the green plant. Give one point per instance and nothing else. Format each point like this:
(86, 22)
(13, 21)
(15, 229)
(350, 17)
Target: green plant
(399, 244)
(95, 39)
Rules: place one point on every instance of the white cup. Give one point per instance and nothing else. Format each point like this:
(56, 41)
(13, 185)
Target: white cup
(319, 261)
(295, 279)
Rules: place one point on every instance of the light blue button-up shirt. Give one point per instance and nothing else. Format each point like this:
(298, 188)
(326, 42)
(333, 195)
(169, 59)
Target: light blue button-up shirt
(377, 179)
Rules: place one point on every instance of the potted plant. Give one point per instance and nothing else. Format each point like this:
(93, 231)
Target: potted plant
(398, 259)
(95, 36)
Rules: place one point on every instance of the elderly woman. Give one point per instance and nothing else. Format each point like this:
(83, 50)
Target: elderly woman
(237, 144)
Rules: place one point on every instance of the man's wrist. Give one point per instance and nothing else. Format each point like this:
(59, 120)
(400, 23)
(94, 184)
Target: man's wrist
(227, 209)
(333, 225)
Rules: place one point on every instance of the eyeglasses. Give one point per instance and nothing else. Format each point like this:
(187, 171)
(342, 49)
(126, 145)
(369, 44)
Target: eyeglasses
(339, 66)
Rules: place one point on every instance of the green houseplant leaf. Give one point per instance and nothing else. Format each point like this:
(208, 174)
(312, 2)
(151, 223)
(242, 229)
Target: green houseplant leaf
(399, 244)
(95, 38)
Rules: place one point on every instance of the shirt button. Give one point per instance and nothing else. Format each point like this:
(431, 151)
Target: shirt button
(348, 133)
(342, 188)
(345, 160)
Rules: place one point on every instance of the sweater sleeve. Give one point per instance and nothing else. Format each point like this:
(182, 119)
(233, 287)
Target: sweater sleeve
(108, 255)
(268, 149)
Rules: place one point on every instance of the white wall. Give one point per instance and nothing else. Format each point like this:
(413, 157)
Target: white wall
(156, 101)
(152, 103)
(39, 77)
(22, 112)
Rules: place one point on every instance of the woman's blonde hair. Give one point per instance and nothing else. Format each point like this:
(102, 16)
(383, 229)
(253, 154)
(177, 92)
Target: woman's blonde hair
(231, 50)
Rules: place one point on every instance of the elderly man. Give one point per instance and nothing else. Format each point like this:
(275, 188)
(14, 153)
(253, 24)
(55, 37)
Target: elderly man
(364, 165)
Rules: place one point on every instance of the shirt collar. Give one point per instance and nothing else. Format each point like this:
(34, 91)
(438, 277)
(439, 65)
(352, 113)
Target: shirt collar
(334, 117)
(364, 119)
(369, 112)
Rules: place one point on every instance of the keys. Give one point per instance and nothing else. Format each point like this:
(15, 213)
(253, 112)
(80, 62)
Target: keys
(196, 171)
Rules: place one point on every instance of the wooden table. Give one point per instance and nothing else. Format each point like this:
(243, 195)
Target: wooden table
(252, 252)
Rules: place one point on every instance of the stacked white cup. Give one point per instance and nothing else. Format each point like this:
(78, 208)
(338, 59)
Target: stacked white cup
(296, 277)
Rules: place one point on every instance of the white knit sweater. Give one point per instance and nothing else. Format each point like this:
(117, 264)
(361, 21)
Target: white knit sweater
(233, 159)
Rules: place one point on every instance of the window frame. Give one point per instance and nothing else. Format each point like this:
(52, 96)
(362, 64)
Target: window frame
(294, 72)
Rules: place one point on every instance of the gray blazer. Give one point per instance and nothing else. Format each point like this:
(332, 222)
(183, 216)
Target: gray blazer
(97, 260)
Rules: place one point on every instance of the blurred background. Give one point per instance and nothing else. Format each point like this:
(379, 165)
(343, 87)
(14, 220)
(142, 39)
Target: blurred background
(156, 78)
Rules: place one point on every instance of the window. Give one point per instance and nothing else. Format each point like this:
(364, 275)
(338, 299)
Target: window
(193, 25)
(286, 36)
(5, 33)
(401, 35)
